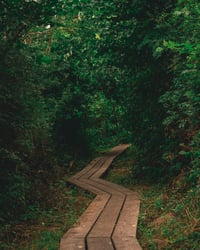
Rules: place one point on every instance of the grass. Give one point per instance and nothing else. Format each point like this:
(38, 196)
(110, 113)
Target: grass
(169, 219)
(169, 214)
(42, 228)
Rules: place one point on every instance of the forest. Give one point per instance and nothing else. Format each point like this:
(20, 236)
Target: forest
(80, 76)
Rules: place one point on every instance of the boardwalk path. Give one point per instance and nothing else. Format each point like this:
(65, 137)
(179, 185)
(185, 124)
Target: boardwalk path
(110, 221)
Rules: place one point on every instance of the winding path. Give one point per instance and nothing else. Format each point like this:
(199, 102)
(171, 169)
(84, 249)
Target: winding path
(110, 221)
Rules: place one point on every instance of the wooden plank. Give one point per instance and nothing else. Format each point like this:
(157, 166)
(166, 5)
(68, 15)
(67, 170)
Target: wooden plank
(87, 186)
(95, 168)
(103, 169)
(118, 149)
(87, 168)
(73, 243)
(89, 217)
(114, 152)
(116, 187)
(128, 217)
(75, 236)
(126, 243)
(100, 186)
(125, 230)
(99, 243)
(106, 222)
(110, 156)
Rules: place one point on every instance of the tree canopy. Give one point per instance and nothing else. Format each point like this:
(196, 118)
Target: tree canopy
(77, 75)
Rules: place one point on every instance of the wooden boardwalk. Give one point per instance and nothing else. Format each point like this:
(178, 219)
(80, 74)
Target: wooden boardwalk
(110, 221)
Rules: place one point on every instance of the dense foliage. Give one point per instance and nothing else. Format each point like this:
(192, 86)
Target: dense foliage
(76, 75)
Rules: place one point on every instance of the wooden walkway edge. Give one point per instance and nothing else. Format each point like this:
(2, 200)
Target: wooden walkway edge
(110, 221)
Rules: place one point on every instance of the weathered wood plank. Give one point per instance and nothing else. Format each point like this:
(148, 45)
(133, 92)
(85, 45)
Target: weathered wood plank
(110, 156)
(99, 243)
(103, 188)
(88, 168)
(126, 243)
(73, 243)
(124, 234)
(128, 217)
(115, 151)
(115, 186)
(107, 161)
(75, 237)
(95, 168)
(105, 224)
(87, 186)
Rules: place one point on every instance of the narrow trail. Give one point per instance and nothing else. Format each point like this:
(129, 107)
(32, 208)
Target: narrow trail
(110, 221)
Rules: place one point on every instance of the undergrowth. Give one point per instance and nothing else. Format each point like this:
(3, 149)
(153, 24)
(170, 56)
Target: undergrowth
(42, 227)
(169, 213)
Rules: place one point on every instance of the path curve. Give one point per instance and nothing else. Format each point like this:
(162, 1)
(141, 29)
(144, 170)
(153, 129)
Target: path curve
(110, 221)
